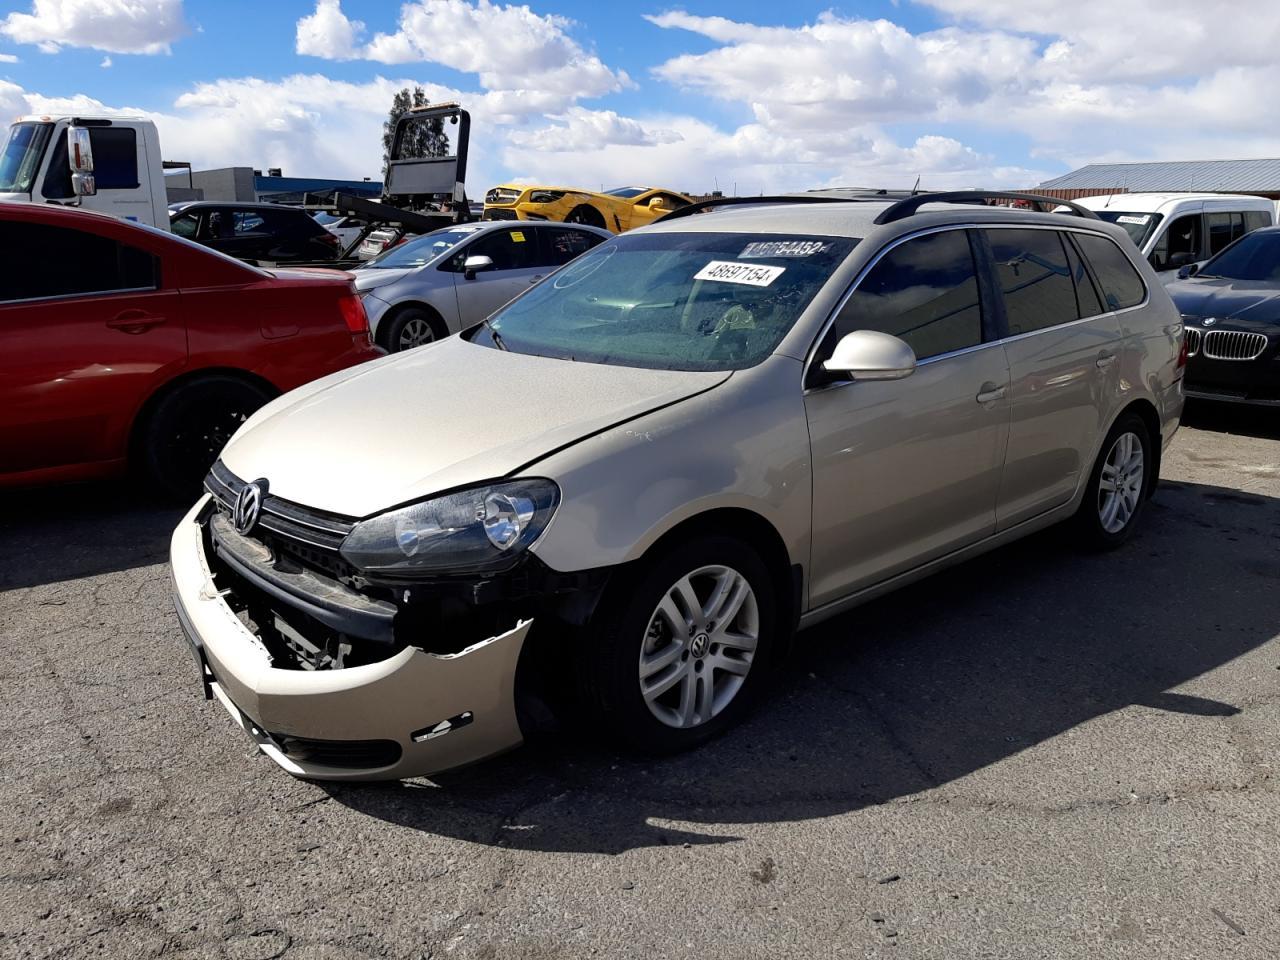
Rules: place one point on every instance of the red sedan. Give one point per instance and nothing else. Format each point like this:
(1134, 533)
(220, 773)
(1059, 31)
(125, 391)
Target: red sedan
(124, 345)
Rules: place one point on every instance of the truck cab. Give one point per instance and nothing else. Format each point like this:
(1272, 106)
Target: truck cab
(108, 164)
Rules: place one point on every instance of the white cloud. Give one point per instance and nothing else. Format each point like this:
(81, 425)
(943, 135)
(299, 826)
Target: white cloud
(581, 129)
(106, 62)
(117, 26)
(328, 33)
(527, 63)
(8, 58)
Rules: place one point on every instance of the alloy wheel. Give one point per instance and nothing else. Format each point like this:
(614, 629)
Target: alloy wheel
(1120, 485)
(415, 333)
(699, 646)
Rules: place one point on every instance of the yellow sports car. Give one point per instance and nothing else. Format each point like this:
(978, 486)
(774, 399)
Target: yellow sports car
(615, 210)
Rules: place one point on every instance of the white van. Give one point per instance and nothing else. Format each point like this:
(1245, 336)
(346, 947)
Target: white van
(1176, 229)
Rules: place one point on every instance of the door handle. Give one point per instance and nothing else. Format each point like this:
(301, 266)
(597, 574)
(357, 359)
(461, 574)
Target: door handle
(1106, 360)
(990, 392)
(134, 321)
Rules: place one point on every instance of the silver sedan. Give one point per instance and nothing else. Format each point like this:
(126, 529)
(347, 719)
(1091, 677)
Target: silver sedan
(443, 282)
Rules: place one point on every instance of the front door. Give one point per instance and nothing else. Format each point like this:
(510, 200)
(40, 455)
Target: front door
(1063, 349)
(516, 263)
(907, 471)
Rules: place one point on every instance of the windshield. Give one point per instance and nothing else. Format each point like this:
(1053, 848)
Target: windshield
(626, 192)
(419, 252)
(1139, 226)
(671, 301)
(1256, 256)
(22, 154)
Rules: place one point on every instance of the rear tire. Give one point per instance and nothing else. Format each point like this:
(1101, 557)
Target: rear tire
(188, 428)
(657, 687)
(412, 327)
(1118, 486)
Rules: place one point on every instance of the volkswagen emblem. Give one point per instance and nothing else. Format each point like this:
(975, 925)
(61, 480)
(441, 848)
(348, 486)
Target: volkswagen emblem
(244, 515)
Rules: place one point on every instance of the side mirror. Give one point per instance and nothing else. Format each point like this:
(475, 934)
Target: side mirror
(80, 159)
(657, 204)
(1190, 270)
(473, 265)
(871, 355)
(1177, 260)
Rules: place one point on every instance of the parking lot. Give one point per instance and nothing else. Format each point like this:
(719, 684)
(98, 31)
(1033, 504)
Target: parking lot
(1038, 754)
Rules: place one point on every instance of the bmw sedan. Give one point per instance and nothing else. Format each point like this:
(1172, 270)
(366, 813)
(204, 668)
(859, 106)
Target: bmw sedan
(1231, 308)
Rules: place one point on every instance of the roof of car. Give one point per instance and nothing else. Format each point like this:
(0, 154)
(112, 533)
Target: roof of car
(1151, 202)
(239, 205)
(857, 218)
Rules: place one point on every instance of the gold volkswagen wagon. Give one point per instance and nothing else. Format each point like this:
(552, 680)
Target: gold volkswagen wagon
(650, 469)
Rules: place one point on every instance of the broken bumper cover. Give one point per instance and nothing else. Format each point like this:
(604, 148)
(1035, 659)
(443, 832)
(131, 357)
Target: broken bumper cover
(412, 714)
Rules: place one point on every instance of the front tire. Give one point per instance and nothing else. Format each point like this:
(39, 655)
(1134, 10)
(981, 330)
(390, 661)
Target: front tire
(682, 648)
(1118, 484)
(189, 427)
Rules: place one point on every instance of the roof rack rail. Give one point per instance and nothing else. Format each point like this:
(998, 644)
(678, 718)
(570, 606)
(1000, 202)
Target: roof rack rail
(908, 206)
(700, 205)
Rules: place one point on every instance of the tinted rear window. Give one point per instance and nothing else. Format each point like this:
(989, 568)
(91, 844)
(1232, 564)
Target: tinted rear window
(1122, 287)
(1034, 276)
(86, 263)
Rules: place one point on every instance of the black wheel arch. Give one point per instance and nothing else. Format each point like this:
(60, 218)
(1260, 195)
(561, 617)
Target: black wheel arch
(434, 317)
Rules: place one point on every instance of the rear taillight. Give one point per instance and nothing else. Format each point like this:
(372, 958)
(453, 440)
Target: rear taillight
(330, 238)
(353, 314)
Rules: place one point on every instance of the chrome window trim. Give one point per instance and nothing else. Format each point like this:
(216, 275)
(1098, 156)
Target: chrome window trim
(81, 295)
(811, 355)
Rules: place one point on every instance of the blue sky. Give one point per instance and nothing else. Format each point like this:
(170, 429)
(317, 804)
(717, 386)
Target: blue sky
(765, 95)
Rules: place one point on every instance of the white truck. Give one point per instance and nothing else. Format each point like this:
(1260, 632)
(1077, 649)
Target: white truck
(110, 164)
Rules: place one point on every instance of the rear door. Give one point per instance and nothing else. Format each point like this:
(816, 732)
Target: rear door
(516, 264)
(1063, 345)
(84, 335)
(906, 471)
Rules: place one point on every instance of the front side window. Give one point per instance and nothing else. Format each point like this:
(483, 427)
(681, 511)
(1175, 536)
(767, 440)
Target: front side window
(671, 301)
(508, 249)
(1034, 277)
(924, 291)
(115, 157)
(185, 225)
(1179, 245)
(86, 263)
(1120, 283)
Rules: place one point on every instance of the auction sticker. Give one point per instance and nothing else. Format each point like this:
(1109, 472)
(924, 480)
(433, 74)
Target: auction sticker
(782, 248)
(1129, 218)
(726, 271)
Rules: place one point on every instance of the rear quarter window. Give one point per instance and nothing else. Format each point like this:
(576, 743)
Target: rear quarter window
(1122, 286)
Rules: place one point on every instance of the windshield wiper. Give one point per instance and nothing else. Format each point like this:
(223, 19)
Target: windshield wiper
(495, 336)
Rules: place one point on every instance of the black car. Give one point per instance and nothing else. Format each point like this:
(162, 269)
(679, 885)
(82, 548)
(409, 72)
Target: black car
(259, 232)
(1231, 309)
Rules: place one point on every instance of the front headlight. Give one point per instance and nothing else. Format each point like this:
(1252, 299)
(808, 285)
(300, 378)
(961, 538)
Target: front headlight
(545, 196)
(484, 528)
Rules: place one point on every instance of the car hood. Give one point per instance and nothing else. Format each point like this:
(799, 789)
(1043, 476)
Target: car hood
(370, 278)
(445, 415)
(1238, 300)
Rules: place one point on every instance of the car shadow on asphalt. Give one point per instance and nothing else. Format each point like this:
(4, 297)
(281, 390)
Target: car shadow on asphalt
(1233, 418)
(52, 534)
(905, 694)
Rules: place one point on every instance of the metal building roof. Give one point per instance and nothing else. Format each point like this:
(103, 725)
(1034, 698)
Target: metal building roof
(1210, 176)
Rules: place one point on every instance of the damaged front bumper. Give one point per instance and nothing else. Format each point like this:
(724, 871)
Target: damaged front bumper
(410, 714)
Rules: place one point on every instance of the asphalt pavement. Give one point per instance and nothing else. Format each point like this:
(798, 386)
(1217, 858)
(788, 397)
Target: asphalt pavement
(1039, 754)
